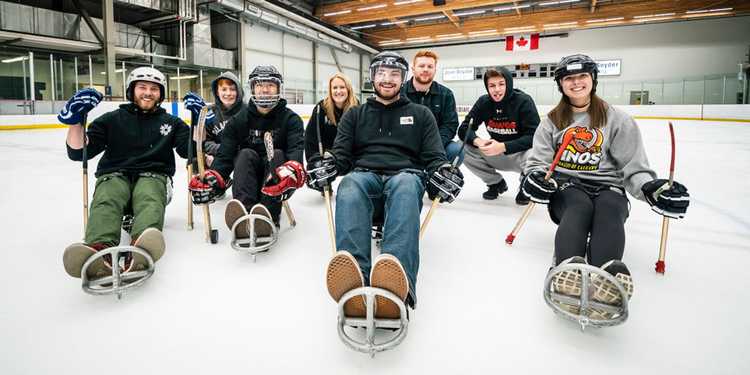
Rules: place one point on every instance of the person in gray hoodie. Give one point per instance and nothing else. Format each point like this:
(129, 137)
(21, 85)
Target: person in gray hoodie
(586, 195)
(228, 97)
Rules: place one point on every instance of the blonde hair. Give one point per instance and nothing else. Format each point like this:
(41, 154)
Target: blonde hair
(329, 105)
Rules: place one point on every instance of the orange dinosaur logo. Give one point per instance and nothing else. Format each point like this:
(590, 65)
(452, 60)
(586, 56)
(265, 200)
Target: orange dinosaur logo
(584, 151)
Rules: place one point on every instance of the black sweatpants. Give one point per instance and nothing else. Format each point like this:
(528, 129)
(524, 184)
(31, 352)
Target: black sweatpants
(599, 215)
(250, 173)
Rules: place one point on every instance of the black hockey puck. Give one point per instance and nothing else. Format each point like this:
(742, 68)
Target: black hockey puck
(214, 236)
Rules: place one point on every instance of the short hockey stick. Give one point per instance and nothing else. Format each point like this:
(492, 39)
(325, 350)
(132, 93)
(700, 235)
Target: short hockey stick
(212, 235)
(530, 207)
(435, 201)
(193, 120)
(327, 189)
(660, 265)
(85, 174)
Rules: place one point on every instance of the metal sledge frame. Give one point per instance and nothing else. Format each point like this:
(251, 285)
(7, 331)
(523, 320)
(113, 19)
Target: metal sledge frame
(584, 303)
(118, 282)
(370, 323)
(251, 245)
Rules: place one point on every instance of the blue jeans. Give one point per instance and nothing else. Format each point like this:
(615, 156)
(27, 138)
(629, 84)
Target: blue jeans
(452, 149)
(400, 196)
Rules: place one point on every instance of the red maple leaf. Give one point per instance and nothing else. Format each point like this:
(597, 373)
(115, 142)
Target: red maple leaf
(522, 42)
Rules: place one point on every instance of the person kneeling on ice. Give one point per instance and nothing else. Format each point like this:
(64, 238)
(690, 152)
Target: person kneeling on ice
(586, 194)
(259, 185)
(511, 119)
(135, 172)
(387, 148)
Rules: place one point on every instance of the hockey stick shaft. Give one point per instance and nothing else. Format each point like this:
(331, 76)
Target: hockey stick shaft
(660, 264)
(454, 163)
(530, 207)
(327, 189)
(268, 142)
(189, 166)
(85, 175)
(202, 169)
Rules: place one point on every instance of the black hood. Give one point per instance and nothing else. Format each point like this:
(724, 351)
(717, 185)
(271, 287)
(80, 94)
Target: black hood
(228, 112)
(508, 85)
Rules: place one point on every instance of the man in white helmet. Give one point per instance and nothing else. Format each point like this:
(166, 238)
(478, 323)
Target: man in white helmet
(135, 172)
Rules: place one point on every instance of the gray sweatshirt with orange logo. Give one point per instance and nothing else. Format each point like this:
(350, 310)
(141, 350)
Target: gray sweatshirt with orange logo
(613, 154)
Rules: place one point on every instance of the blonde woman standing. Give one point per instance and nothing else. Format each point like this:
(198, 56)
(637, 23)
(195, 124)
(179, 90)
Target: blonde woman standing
(327, 113)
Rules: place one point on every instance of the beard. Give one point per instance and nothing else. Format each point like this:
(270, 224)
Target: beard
(383, 96)
(140, 104)
(424, 82)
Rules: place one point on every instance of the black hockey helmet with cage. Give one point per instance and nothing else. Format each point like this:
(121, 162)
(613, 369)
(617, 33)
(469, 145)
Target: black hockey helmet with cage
(389, 59)
(575, 64)
(265, 73)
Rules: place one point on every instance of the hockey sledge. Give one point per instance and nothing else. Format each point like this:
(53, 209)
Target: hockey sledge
(261, 234)
(256, 232)
(118, 282)
(375, 328)
(588, 310)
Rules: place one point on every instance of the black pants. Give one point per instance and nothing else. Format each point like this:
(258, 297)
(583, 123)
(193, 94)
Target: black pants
(250, 173)
(590, 224)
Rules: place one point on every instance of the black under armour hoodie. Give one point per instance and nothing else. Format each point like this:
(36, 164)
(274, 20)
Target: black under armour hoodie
(513, 120)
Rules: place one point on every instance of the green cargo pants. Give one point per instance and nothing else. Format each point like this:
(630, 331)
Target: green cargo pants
(147, 194)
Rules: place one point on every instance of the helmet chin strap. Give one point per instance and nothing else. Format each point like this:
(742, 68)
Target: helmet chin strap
(580, 106)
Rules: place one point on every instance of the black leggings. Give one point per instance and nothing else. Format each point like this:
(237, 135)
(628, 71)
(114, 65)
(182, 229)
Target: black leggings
(601, 214)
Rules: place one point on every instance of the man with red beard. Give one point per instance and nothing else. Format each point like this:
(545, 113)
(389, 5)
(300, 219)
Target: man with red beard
(135, 171)
(422, 89)
(511, 119)
(389, 148)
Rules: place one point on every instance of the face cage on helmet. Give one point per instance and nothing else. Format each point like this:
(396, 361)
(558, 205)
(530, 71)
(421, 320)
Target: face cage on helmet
(266, 101)
(388, 63)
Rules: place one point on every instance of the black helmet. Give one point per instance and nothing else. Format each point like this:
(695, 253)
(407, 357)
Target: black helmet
(388, 59)
(575, 64)
(265, 73)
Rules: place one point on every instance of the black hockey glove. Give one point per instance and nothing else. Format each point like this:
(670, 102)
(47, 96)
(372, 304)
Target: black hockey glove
(536, 188)
(321, 171)
(670, 202)
(445, 183)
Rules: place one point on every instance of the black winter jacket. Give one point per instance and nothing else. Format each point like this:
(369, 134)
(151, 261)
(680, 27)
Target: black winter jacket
(245, 130)
(439, 99)
(512, 121)
(134, 141)
(388, 138)
(327, 131)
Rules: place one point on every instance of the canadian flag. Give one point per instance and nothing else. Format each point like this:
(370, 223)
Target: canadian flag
(524, 42)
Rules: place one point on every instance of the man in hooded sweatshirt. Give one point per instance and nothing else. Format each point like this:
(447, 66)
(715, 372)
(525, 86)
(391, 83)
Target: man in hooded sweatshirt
(259, 185)
(511, 119)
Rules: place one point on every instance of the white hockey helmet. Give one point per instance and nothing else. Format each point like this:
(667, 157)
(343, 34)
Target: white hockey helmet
(148, 74)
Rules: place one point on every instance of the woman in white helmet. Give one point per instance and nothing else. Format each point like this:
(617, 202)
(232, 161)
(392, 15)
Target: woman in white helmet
(135, 171)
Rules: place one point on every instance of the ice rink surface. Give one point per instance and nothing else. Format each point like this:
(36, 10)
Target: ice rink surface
(211, 310)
